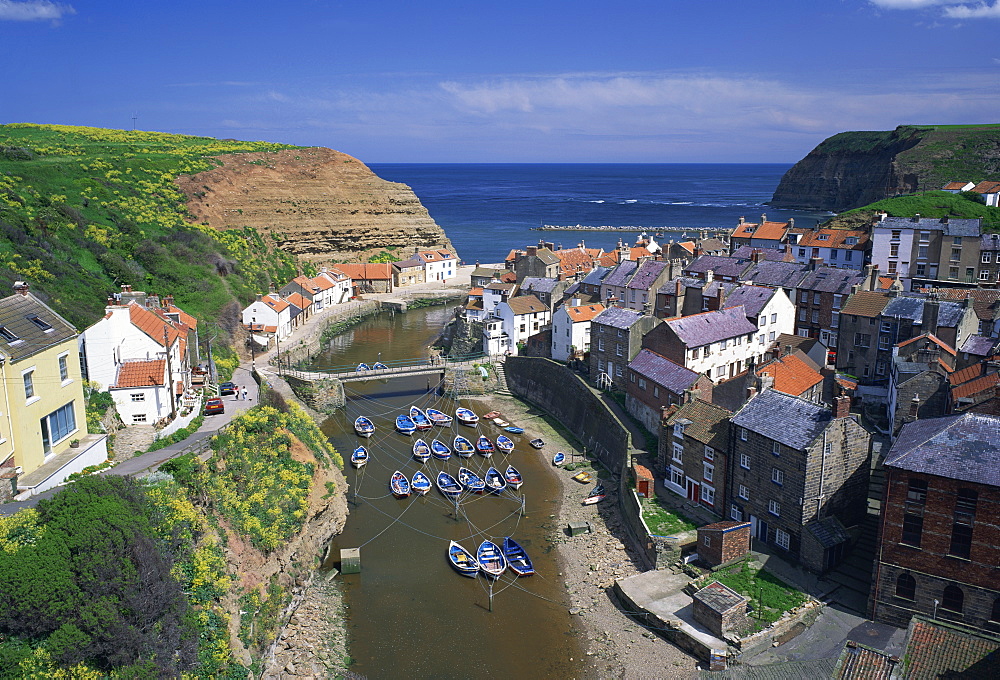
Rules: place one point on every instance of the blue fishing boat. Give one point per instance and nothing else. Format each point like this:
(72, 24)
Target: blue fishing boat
(514, 430)
(364, 426)
(359, 457)
(484, 446)
(462, 560)
(399, 485)
(513, 477)
(559, 459)
(470, 481)
(440, 450)
(421, 451)
(404, 425)
(438, 417)
(420, 419)
(537, 443)
(505, 444)
(466, 416)
(421, 483)
(463, 447)
(448, 485)
(495, 482)
(491, 559)
(517, 558)
(379, 366)
(363, 367)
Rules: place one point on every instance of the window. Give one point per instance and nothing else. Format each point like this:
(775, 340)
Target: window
(851, 240)
(678, 452)
(760, 339)
(656, 390)
(921, 269)
(63, 368)
(964, 518)
(676, 476)
(695, 352)
(952, 599)
(137, 396)
(802, 252)
(892, 267)
(777, 476)
(879, 368)
(61, 423)
(987, 256)
(138, 417)
(720, 372)
(922, 252)
(744, 493)
(815, 316)
(774, 318)
(735, 512)
(838, 301)
(970, 274)
(642, 383)
(618, 349)
(913, 516)
(709, 453)
(833, 253)
(723, 344)
(745, 461)
(804, 296)
(8, 335)
(849, 255)
(906, 587)
(781, 539)
(600, 344)
(862, 340)
(743, 434)
(895, 234)
(834, 319)
(631, 376)
(883, 342)
(706, 540)
(984, 275)
(29, 384)
(953, 273)
(41, 323)
(708, 472)
(956, 254)
(894, 250)
(802, 313)
(816, 298)
(708, 495)
(774, 507)
(823, 237)
(956, 240)
(618, 370)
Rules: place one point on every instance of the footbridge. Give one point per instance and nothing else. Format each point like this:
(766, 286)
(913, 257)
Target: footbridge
(393, 369)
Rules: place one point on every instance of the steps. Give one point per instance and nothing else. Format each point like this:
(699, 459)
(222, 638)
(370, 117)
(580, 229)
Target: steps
(501, 379)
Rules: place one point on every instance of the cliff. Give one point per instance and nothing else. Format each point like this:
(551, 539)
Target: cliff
(853, 169)
(317, 204)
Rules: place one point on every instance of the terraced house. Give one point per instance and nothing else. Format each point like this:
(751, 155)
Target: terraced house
(694, 452)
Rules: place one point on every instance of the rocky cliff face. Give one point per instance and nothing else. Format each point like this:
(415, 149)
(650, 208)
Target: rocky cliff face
(318, 204)
(853, 169)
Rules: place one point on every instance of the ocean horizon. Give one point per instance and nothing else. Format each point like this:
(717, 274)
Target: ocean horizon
(488, 208)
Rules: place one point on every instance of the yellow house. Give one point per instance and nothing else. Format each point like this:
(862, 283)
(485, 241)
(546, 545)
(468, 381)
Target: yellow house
(43, 426)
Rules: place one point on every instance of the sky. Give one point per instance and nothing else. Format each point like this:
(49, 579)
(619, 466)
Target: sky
(391, 81)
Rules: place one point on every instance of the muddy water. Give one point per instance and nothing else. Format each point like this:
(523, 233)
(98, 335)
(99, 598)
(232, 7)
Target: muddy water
(409, 613)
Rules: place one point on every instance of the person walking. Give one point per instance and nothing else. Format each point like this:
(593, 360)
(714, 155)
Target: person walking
(244, 394)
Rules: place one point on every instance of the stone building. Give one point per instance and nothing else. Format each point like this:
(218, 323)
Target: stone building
(655, 382)
(685, 295)
(721, 610)
(548, 291)
(536, 262)
(722, 542)
(820, 297)
(939, 543)
(924, 251)
(792, 463)
(615, 339)
(918, 380)
(694, 452)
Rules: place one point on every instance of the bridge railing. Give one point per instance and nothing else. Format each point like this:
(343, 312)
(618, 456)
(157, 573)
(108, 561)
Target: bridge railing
(392, 367)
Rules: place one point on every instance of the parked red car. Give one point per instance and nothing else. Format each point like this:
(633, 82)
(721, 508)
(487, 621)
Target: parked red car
(214, 405)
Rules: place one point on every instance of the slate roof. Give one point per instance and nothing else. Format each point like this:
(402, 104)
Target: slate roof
(646, 274)
(772, 254)
(950, 226)
(140, 373)
(484, 272)
(724, 526)
(867, 303)
(858, 662)
(709, 423)
(963, 447)
(911, 306)
(538, 284)
(985, 301)
(719, 264)
(546, 256)
(701, 329)
(791, 374)
(663, 371)
(618, 317)
(799, 424)
(781, 274)
(621, 274)
(596, 276)
(719, 598)
(526, 304)
(990, 242)
(831, 280)
(937, 650)
(412, 262)
(502, 287)
(979, 346)
(828, 531)
(752, 298)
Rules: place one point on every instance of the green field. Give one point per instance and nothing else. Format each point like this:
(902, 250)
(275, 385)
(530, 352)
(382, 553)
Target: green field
(930, 204)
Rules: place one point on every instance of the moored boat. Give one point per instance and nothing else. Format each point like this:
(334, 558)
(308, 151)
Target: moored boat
(466, 416)
(462, 560)
(364, 427)
(484, 446)
(470, 481)
(421, 483)
(537, 443)
(491, 415)
(596, 496)
(448, 485)
(500, 422)
(491, 560)
(440, 450)
(438, 417)
(359, 457)
(379, 366)
(420, 419)
(517, 558)
(559, 459)
(399, 485)
(514, 430)
(495, 482)
(405, 425)
(505, 444)
(513, 477)
(363, 367)
(463, 447)
(421, 451)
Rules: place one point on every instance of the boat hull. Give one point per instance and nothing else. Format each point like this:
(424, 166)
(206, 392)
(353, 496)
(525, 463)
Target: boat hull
(517, 558)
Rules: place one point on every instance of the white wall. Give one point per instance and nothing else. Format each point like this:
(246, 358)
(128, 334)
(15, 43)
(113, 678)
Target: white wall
(113, 340)
(155, 404)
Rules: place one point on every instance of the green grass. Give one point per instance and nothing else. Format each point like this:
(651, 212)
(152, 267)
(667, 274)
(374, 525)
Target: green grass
(935, 204)
(664, 521)
(769, 596)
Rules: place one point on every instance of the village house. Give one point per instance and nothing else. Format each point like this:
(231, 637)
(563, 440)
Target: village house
(495, 293)
(918, 380)
(685, 295)
(990, 191)
(958, 187)
(640, 291)
(784, 275)
(985, 303)
(757, 254)
(484, 276)
(767, 308)
(409, 272)
(548, 291)
(718, 344)
(616, 336)
(929, 251)
(371, 277)
(571, 329)
(588, 289)
(976, 388)
(655, 382)
(439, 265)
(821, 295)
(799, 475)
(858, 332)
(474, 310)
(269, 314)
(712, 267)
(521, 317)
(784, 369)
(694, 452)
(536, 262)
(939, 544)
(989, 261)
(841, 248)
(45, 428)
(770, 235)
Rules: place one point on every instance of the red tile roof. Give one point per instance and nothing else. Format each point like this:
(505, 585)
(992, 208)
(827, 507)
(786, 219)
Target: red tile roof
(791, 374)
(153, 325)
(932, 338)
(954, 186)
(526, 304)
(835, 238)
(298, 300)
(277, 304)
(967, 374)
(141, 373)
(933, 649)
(885, 282)
(583, 312)
(987, 382)
(369, 271)
(772, 231)
(476, 292)
(987, 187)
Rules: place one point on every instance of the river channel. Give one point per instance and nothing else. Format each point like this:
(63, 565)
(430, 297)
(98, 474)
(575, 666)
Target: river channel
(408, 613)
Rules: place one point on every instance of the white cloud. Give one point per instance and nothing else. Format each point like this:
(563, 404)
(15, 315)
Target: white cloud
(33, 10)
(953, 9)
(980, 11)
(910, 4)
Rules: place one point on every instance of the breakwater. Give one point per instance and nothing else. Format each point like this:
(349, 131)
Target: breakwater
(628, 228)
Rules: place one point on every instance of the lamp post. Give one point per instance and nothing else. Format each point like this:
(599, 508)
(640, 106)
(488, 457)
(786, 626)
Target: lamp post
(253, 353)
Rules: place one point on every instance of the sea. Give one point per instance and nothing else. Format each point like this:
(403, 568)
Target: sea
(488, 208)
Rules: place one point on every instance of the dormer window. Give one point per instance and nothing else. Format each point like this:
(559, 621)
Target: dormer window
(851, 240)
(41, 323)
(8, 336)
(823, 237)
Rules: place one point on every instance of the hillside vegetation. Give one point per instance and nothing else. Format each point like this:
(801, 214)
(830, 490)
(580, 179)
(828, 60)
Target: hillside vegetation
(85, 210)
(930, 204)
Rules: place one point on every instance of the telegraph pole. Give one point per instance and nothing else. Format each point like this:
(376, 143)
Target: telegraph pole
(170, 375)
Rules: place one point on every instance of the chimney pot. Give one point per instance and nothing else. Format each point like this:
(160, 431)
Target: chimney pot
(842, 406)
(21, 287)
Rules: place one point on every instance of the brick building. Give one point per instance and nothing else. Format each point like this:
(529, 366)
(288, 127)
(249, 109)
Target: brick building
(721, 610)
(821, 295)
(721, 542)
(615, 339)
(939, 543)
(694, 451)
(794, 463)
(655, 382)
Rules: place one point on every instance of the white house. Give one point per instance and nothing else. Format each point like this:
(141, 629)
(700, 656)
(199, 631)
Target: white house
(958, 187)
(767, 308)
(571, 328)
(474, 306)
(329, 287)
(520, 318)
(440, 265)
(990, 191)
(141, 391)
(843, 248)
(495, 340)
(266, 311)
(494, 294)
(718, 343)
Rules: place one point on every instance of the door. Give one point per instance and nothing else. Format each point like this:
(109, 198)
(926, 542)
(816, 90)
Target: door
(761, 530)
(693, 490)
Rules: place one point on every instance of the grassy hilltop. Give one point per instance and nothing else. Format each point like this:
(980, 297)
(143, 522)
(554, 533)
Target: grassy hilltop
(930, 204)
(84, 210)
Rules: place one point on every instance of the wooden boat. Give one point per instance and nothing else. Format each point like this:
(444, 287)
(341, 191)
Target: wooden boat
(537, 443)
(466, 417)
(359, 457)
(495, 482)
(438, 417)
(421, 451)
(484, 446)
(440, 450)
(470, 481)
(584, 477)
(559, 459)
(463, 447)
(420, 419)
(363, 367)
(500, 422)
(491, 415)
(517, 558)
(462, 560)
(505, 444)
(399, 485)
(514, 430)
(513, 477)
(405, 425)
(364, 426)
(379, 366)
(421, 483)
(448, 485)
(491, 560)
(592, 500)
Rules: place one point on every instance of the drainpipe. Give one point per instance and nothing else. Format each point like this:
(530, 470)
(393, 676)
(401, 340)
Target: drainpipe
(6, 397)
(822, 475)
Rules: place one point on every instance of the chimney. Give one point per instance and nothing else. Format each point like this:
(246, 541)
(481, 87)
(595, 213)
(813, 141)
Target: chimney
(719, 294)
(914, 406)
(842, 406)
(691, 394)
(709, 276)
(21, 287)
(788, 350)
(944, 220)
(763, 219)
(168, 300)
(677, 288)
(126, 288)
(929, 323)
(742, 220)
(791, 222)
(698, 250)
(916, 217)
(756, 255)
(574, 302)
(260, 296)
(532, 250)
(815, 263)
(751, 392)
(765, 381)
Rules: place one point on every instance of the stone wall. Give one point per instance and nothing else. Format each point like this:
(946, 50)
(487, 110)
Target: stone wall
(306, 345)
(322, 396)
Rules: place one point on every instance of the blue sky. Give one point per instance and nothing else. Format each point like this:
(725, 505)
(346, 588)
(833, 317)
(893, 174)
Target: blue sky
(542, 81)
